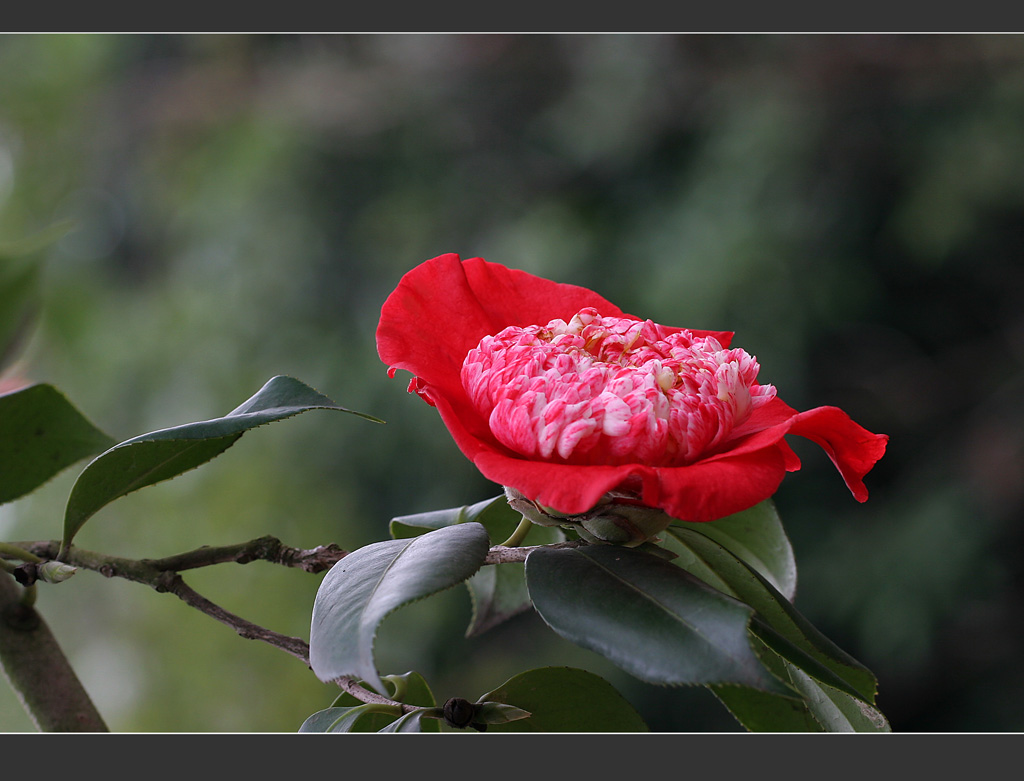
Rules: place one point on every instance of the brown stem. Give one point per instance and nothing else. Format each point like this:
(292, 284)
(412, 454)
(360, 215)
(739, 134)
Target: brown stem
(270, 549)
(250, 631)
(502, 555)
(317, 559)
(362, 694)
(162, 575)
(38, 671)
(293, 645)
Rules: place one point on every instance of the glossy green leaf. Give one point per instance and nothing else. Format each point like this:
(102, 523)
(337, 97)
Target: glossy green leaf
(41, 433)
(493, 514)
(820, 708)
(348, 714)
(836, 710)
(645, 614)
(162, 455)
(564, 699)
(757, 537)
(371, 582)
(342, 719)
(786, 630)
(409, 688)
(413, 721)
(498, 592)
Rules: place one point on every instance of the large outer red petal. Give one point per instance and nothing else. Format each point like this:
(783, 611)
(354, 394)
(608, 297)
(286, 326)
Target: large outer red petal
(704, 491)
(442, 308)
(853, 449)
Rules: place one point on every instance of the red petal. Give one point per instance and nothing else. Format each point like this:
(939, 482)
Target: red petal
(853, 449)
(443, 307)
(704, 491)
(707, 491)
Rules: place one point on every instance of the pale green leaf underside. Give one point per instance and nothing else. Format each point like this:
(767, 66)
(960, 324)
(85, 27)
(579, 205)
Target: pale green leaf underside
(498, 592)
(336, 719)
(371, 582)
(489, 512)
(410, 722)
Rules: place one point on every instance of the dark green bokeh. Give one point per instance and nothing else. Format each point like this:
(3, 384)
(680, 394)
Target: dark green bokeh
(851, 206)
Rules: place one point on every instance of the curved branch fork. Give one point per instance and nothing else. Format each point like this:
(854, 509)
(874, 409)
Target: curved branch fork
(163, 575)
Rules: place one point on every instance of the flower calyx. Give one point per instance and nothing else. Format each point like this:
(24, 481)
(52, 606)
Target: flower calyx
(617, 519)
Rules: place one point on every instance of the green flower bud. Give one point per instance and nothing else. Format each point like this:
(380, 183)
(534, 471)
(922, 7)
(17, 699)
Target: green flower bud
(55, 572)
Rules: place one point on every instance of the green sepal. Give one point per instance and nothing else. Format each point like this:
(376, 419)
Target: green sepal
(368, 584)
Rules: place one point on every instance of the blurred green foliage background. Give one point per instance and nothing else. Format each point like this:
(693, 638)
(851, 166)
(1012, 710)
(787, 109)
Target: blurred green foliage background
(852, 206)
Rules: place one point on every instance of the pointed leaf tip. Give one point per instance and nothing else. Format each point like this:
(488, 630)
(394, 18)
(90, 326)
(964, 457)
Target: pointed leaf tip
(161, 455)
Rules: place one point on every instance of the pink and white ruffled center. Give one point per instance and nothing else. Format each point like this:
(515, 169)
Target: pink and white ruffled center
(611, 390)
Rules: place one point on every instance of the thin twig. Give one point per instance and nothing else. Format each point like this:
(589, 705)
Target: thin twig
(267, 548)
(163, 576)
(250, 631)
(502, 555)
(363, 694)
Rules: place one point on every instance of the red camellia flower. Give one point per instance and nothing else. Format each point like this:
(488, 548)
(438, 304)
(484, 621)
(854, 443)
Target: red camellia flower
(556, 393)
